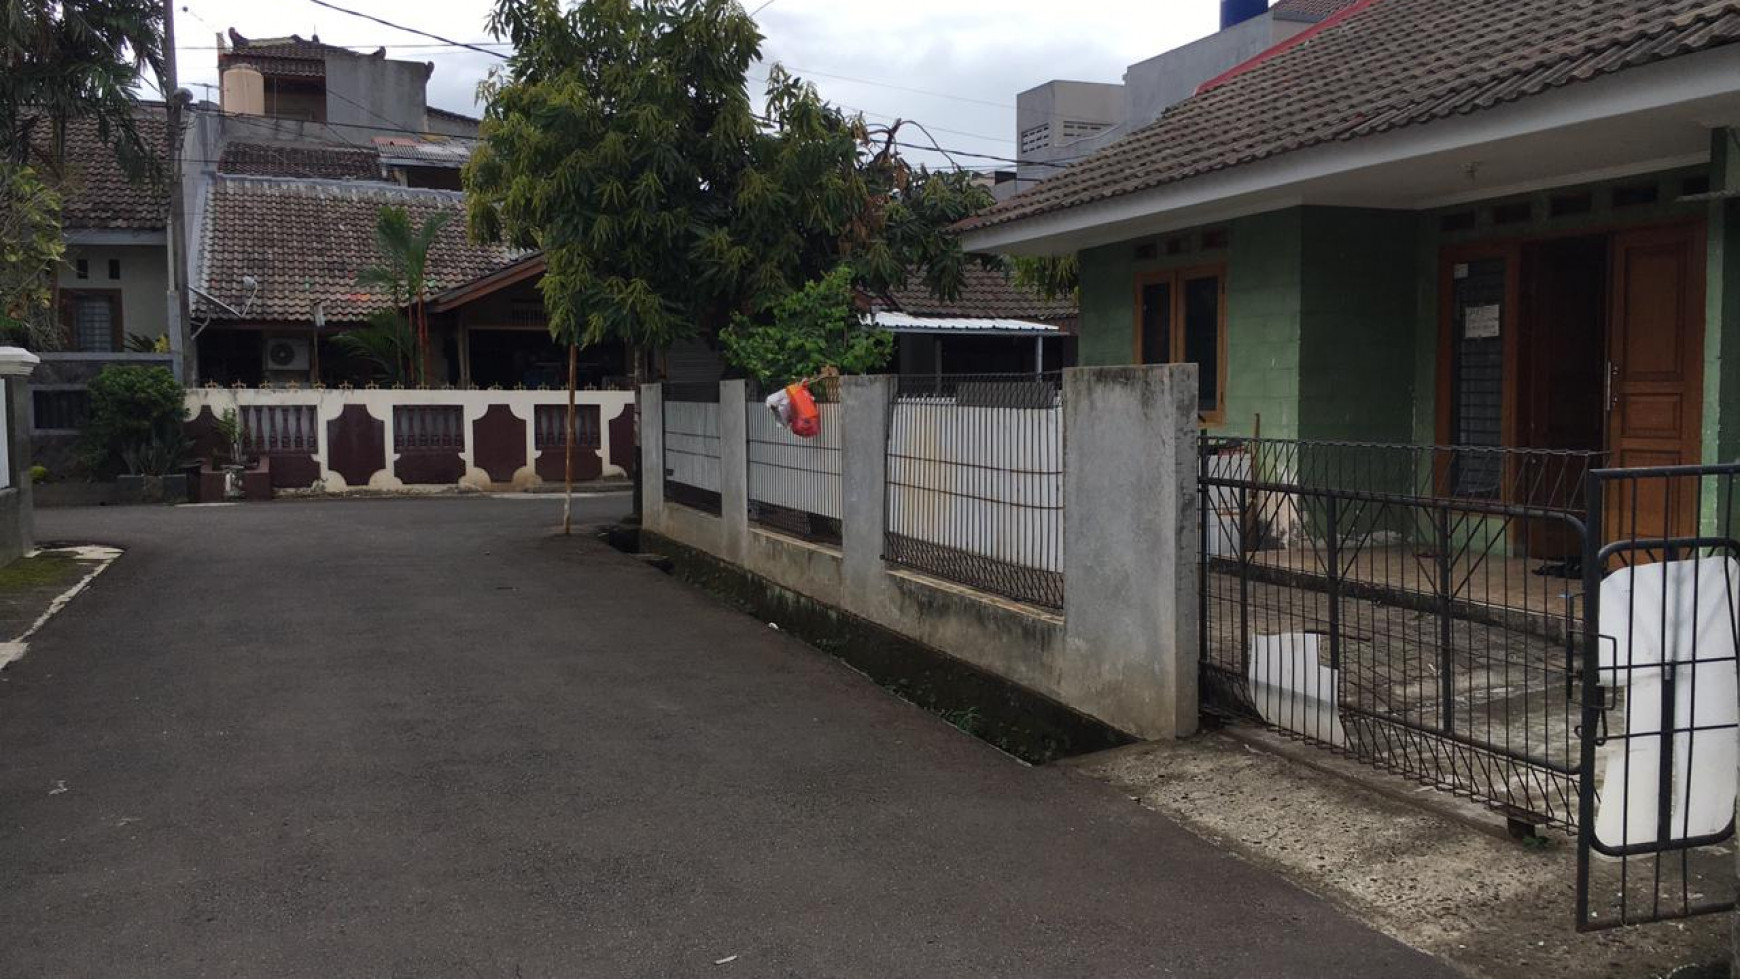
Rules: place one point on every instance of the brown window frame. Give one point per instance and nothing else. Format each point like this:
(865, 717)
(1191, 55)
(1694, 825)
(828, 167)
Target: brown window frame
(1176, 278)
(68, 297)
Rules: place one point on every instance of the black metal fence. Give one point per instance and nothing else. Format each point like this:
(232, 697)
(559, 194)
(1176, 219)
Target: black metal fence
(975, 482)
(1418, 609)
(1661, 744)
(794, 483)
(691, 445)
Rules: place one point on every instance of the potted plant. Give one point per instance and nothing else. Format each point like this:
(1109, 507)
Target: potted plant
(156, 468)
(235, 436)
(134, 429)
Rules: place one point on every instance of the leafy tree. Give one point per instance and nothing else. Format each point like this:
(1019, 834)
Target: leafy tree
(131, 407)
(61, 60)
(621, 140)
(1051, 276)
(815, 327)
(66, 59)
(30, 241)
(404, 273)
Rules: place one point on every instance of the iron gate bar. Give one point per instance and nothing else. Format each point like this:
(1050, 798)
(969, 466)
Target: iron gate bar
(1682, 901)
(1352, 542)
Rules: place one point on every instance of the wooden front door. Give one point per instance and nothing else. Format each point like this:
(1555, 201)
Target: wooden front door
(1655, 376)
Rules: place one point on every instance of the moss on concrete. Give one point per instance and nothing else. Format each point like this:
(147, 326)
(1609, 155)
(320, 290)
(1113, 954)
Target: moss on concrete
(40, 570)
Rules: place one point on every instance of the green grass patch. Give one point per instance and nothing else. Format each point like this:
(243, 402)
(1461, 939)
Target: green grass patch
(40, 570)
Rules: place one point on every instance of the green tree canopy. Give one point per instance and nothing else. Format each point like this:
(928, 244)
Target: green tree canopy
(814, 327)
(66, 59)
(621, 140)
(30, 241)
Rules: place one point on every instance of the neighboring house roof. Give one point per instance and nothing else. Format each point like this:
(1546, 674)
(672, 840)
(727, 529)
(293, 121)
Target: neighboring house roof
(96, 194)
(1379, 66)
(304, 241)
(965, 325)
(289, 56)
(433, 151)
(299, 160)
(1309, 11)
(987, 294)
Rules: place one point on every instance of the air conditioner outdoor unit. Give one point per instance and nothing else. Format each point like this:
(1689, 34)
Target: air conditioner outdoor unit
(287, 354)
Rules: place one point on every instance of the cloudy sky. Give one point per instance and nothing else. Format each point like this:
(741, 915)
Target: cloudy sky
(953, 67)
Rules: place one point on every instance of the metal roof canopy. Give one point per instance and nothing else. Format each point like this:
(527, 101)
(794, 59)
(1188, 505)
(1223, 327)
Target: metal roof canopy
(895, 322)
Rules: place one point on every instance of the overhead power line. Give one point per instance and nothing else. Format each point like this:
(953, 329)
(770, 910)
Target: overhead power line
(409, 30)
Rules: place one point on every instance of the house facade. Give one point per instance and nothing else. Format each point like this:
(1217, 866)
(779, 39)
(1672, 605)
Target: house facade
(1511, 227)
(112, 287)
(285, 180)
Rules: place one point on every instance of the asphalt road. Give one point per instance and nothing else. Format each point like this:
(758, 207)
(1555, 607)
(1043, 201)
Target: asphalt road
(426, 738)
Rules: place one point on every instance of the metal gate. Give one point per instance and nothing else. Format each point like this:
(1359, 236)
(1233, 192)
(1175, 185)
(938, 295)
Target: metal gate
(1660, 744)
(1520, 627)
(1414, 608)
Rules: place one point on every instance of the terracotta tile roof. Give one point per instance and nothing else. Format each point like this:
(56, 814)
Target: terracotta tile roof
(1309, 10)
(1382, 66)
(96, 193)
(987, 294)
(306, 240)
(299, 160)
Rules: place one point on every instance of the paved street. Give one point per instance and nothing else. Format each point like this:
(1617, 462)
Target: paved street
(424, 738)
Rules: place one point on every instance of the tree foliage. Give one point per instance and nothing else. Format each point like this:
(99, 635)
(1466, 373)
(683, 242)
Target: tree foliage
(622, 141)
(1051, 276)
(30, 241)
(387, 344)
(67, 59)
(131, 407)
(815, 327)
(404, 272)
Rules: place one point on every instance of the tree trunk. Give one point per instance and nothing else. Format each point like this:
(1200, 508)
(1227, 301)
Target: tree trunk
(573, 382)
(637, 358)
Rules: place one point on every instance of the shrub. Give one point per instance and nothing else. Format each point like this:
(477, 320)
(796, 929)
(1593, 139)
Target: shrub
(131, 407)
(39, 474)
(813, 328)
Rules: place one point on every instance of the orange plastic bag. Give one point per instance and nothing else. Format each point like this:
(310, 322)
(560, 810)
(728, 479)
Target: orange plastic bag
(806, 418)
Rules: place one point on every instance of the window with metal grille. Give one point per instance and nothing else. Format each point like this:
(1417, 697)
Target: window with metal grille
(59, 409)
(91, 322)
(1477, 375)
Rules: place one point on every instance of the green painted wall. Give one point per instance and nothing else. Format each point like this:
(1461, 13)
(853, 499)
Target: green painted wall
(1721, 434)
(1263, 304)
(1264, 290)
(1356, 325)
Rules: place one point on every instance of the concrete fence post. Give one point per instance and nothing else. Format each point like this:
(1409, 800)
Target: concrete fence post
(17, 501)
(865, 404)
(734, 471)
(1132, 536)
(652, 456)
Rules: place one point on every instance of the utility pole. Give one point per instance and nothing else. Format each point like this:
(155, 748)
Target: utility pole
(173, 106)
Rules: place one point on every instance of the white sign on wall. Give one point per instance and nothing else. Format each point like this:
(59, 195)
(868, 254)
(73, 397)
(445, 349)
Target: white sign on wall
(1480, 322)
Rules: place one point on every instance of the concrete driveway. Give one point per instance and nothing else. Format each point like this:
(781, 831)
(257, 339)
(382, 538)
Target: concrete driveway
(424, 738)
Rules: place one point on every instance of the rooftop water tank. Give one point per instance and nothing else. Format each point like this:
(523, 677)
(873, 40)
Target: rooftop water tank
(1235, 12)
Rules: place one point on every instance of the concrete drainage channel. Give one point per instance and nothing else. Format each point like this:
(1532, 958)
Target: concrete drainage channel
(1016, 721)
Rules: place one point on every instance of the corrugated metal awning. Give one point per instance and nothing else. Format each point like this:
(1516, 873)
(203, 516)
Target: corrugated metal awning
(895, 322)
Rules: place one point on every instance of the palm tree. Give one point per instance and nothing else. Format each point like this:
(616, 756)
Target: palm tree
(404, 270)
